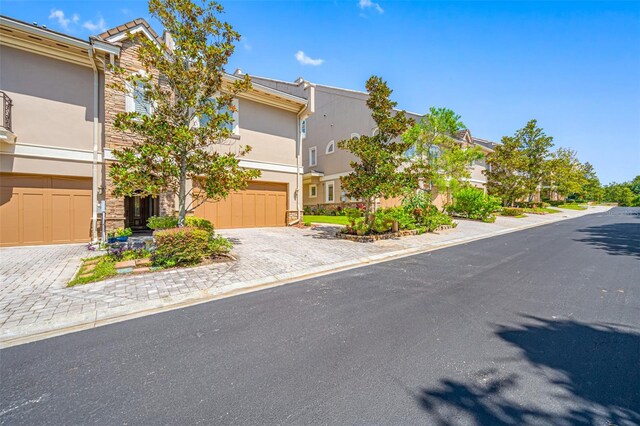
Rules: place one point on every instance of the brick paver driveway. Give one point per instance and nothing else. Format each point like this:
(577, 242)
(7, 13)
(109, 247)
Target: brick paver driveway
(33, 290)
(33, 280)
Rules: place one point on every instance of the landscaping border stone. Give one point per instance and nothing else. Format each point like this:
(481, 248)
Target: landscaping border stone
(387, 235)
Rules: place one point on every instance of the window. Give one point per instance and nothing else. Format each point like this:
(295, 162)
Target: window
(303, 129)
(135, 100)
(313, 156)
(329, 192)
(375, 131)
(354, 136)
(233, 125)
(313, 191)
(331, 147)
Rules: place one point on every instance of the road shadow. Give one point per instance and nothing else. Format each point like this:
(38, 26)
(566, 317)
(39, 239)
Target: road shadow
(594, 372)
(619, 239)
(324, 232)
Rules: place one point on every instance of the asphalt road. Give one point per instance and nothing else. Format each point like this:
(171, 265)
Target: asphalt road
(535, 327)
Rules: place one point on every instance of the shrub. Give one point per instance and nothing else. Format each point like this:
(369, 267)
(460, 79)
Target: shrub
(360, 227)
(473, 203)
(180, 246)
(352, 215)
(405, 219)
(511, 211)
(162, 222)
(168, 222)
(218, 245)
(198, 222)
(420, 200)
(123, 232)
(432, 218)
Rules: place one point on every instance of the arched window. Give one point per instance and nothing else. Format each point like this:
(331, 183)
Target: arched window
(375, 131)
(354, 136)
(331, 148)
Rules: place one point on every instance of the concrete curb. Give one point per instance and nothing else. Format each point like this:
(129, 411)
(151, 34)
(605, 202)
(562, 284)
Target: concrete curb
(34, 332)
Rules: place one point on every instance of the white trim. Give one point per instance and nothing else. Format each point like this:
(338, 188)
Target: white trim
(315, 149)
(247, 164)
(314, 186)
(49, 152)
(333, 176)
(273, 167)
(332, 145)
(326, 192)
(136, 29)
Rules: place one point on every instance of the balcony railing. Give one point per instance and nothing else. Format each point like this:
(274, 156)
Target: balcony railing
(6, 110)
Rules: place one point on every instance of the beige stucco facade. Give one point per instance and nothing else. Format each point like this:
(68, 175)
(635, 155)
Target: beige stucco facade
(63, 111)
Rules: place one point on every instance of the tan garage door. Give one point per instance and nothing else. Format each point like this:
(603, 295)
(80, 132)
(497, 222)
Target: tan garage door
(261, 204)
(44, 210)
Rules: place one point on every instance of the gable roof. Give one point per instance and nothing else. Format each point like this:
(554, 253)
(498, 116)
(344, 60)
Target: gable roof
(131, 26)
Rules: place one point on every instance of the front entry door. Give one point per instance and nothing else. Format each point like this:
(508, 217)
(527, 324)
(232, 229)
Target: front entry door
(138, 210)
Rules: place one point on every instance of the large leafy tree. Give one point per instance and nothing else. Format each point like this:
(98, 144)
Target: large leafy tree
(592, 188)
(377, 172)
(564, 172)
(505, 177)
(192, 114)
(536, 146)
(437, 158)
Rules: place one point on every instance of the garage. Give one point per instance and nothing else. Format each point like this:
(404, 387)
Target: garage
(37, 209)
(261, 204)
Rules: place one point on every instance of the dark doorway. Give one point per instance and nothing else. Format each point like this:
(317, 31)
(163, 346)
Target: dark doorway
(138, 209)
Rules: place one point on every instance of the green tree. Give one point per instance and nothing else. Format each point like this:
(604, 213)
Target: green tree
(505, 177)
(619, 193)
(564, 172)
(377, 172)
(436, 156)
(535, 145)
(634, 185)
(592, 189)
(192, 110)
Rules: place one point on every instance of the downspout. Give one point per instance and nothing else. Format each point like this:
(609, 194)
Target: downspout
(306, 111)
(94, 171)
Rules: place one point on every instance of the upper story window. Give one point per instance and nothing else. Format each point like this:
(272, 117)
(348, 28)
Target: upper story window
(303, 129)
(331, 147)
(375, 131)
(313, 156)
(135, 100)
(233, 125)
(354, 136)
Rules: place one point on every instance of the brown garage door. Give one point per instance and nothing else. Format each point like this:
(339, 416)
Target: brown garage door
(44, 210)
(261, 204)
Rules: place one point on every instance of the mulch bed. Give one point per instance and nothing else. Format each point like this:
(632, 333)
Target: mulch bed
(387, 235)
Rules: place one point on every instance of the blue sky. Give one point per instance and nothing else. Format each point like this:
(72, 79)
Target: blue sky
(574, 66)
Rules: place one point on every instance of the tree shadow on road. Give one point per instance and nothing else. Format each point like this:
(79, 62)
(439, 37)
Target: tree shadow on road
(593, 372)
(621, 239)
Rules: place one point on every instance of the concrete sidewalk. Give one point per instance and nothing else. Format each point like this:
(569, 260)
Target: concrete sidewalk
(35, 302)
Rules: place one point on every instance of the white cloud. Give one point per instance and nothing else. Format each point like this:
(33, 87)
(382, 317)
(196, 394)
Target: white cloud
(63, 22)
(100, 26)
(245, 43)
(305, 60)
(366, 4)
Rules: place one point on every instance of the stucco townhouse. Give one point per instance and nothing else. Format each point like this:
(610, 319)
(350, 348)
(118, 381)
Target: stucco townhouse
(57, 138)
(341, 114)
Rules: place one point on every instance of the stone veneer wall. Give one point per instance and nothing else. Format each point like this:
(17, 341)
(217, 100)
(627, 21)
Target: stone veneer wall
(115, 102)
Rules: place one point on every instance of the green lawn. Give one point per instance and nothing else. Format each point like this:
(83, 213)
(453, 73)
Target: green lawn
(312, 218)
(572, 207)
(541, 210)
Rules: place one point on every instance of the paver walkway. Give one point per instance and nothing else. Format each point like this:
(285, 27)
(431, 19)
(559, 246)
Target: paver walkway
(34, 297)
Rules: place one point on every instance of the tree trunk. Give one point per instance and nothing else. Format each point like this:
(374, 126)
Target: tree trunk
(182, 193)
